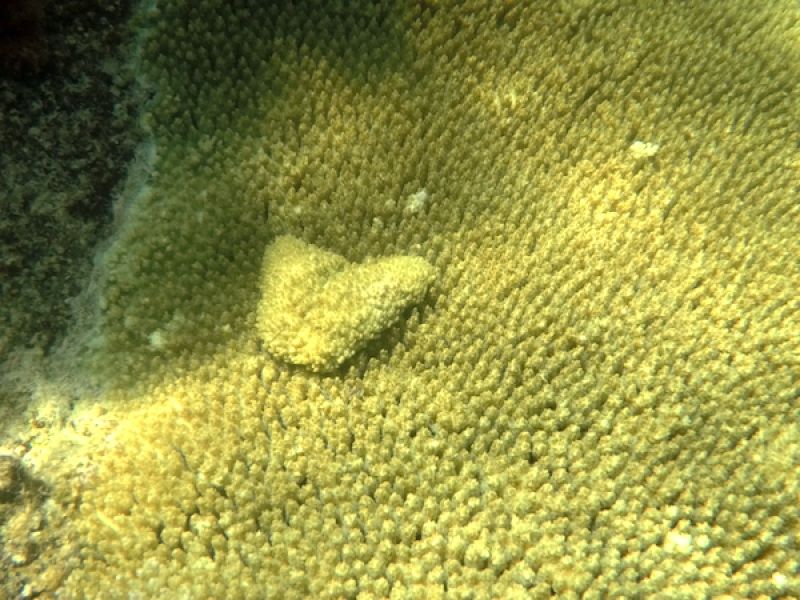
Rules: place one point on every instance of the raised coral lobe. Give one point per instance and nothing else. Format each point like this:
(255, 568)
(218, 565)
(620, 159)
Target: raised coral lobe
(317, 309)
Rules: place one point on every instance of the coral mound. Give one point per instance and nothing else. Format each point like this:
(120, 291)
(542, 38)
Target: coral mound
(317, 309)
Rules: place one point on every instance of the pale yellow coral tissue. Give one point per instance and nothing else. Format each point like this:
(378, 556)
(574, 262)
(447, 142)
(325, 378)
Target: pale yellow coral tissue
(317, 309)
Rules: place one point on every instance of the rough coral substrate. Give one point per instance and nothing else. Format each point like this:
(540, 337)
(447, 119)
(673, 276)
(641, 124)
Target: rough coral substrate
(602, 400)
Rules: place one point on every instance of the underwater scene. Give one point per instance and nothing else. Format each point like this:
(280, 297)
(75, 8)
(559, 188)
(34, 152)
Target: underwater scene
(436, 299)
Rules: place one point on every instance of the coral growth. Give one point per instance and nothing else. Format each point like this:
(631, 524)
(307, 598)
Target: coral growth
(603, 400)
(317, 309)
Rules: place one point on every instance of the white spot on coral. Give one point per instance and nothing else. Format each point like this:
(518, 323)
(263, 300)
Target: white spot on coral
(416, 201)
(678, 542)
(157, 339)
(780, 580)
(641, 149)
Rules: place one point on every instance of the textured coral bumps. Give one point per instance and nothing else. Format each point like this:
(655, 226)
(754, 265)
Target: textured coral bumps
(602, 404)
(317, 309)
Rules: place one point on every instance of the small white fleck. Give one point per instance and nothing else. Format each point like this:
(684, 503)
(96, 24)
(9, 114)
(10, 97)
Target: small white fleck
(678, 542)
(779, 579)
(157, 339)
(641, 149)
(416, 201)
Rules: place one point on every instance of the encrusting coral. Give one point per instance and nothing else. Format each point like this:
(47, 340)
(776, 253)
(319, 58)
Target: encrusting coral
(317, 309)
(600, 398)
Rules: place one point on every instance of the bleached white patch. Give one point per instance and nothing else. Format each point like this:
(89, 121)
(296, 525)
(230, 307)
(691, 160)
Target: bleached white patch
(157, 339)
(641, 149)
(678, 542)
(416, 202)
(780, 580)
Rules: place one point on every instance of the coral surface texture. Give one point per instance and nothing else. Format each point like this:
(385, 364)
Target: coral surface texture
(446, 299)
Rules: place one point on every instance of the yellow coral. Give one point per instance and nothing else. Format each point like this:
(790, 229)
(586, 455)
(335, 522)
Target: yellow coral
(317, 309)
(602, 402)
